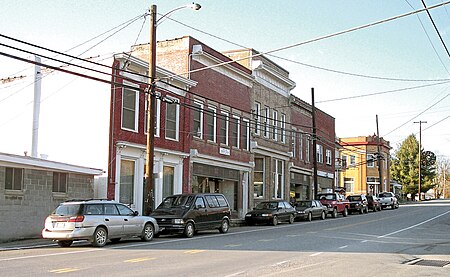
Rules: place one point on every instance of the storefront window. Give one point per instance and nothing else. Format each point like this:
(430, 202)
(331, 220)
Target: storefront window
(168, 181)
(126, 191)
(258, 179)
(278, 173)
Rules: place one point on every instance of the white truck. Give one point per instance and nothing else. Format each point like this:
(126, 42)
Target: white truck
(388, 199)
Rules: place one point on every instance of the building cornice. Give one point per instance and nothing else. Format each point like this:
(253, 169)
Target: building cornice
(228, 70)
(196, 157)
(272, 79)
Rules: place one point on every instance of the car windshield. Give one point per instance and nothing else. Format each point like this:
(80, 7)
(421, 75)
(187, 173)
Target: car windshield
(266, 206)
(179, 201)
(67, 210)
(304, 204)
(327, 197)
(384, 195)
(354, 198)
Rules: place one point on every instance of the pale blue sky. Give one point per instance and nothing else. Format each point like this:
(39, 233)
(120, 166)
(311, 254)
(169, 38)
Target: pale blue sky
(79, 109)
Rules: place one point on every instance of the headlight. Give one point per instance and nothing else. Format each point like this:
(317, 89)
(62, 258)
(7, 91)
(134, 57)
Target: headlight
(301, 212)
(266, 215)
(248, 215)
(178, 221)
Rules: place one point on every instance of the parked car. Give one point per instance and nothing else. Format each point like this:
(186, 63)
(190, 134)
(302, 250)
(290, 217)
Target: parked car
(373, 203)
(388, 199)
(335, 202)
(96, 221)
(271, 212)
(358, 203)
(189, 213)
(309, 209)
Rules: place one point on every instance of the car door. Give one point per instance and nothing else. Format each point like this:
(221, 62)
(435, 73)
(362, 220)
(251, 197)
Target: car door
(281, 210)
(132, 224)
(214, 216)
(314, 208)
(200, 213)
(113, 220)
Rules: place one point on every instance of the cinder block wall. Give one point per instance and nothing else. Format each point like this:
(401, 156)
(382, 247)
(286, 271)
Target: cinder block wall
(22, 213)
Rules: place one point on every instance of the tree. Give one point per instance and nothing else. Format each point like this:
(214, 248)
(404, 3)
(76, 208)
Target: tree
(405, 166)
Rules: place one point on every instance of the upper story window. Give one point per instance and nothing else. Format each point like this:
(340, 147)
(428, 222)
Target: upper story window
(294, 143)
(197, 126)
(157, 116)
(130, 109)
(319, 151)
(275, 124)
(370, 160)
(344, 161)
(352, 160)
(300, 146)
(13, 178)
(172, 119)
(283, 128)
(246, 134)
(257, 117)
(266, 121)
(328, 156)
(59, 182)
(211, 123)
(224, 127)
(235, 134)
(307, 149)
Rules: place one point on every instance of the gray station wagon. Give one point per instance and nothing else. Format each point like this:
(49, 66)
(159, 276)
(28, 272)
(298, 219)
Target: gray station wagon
(97, 221)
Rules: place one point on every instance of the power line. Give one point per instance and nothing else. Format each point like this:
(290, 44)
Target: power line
(435, 27)
(312, 40)
(313, 66)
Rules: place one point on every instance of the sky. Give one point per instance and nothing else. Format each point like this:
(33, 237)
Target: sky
(398, 70)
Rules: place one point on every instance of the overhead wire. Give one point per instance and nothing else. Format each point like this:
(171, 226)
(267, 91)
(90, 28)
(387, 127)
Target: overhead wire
(435, 28)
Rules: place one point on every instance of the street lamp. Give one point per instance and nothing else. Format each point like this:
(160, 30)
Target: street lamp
(148, 184)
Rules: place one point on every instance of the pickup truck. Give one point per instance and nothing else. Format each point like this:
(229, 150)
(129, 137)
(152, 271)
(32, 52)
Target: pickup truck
(388, 199)
(335, 203)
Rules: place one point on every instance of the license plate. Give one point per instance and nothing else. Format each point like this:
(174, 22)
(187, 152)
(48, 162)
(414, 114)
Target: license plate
(58, 225)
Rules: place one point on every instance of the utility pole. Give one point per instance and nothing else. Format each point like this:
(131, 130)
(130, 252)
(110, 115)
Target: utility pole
(36, 107)
(380, 169)
(148, 184)
(420, 154)
(314, 131)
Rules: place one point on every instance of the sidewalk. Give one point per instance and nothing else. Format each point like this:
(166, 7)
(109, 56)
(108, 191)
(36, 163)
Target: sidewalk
(25, 243)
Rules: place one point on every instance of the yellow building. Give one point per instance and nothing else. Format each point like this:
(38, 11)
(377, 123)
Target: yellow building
(359, 172)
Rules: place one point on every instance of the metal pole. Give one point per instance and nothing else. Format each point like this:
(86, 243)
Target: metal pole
(314, 131)
(148, 184)
(36, 107)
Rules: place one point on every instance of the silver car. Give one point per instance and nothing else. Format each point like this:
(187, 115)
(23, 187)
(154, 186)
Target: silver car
(97, 221)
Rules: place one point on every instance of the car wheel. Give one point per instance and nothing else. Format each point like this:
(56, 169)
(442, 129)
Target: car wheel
(335, 213)
(64, 243)
(100, 237)
(291, 218)
(393, 206)
(189, 230)
(309, 218)
(275, 220)
(397, 206)
(323, 215)
(224, 226)
(345, 212)
(115, 240)
(148, 232)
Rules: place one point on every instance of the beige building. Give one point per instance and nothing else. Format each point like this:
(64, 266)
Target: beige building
(360, 167)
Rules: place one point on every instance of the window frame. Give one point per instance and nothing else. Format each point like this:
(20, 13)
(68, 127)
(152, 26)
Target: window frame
(212, 111)
(136, 107)
(57, 176)
(275, 125)
(199, 108)
(328, 156)
(14, 171)
(283, 128)
(257, 117)
(224, 118)
(319, 153)
(263, 171)
(174, 101)
(246, 134)
(235, 141)
(266, 122)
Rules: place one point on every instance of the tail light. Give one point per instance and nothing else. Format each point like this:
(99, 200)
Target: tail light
(79, 218)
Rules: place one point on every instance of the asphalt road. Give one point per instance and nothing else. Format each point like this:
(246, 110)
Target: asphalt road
(413, 240)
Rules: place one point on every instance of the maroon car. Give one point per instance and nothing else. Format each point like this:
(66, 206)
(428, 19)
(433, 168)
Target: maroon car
(373, 203)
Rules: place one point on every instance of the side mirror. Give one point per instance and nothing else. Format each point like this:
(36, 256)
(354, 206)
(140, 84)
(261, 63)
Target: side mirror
(136, 213)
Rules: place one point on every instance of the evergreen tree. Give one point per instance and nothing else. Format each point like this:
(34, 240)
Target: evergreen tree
(405, 166)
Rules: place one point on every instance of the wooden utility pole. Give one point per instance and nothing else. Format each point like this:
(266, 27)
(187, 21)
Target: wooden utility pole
(314, 131)
(380, 169)
(420, 155)
(148, 184)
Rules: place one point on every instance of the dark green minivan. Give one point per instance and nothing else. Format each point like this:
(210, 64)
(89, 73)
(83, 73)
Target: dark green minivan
(189, 213)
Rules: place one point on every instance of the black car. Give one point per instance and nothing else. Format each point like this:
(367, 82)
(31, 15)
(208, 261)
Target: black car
(271, 212)
(309, 209)
(189, 213)
(358, 203)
